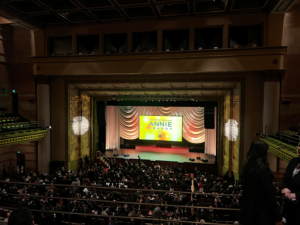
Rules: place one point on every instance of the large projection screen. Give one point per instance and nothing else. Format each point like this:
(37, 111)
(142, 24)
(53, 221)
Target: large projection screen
(161, 128)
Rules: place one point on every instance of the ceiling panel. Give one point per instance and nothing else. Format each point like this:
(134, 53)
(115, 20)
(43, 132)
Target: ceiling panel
(120, 85)
(149, 85)
(110, 11)
(26, 6)
(159, 89)
(89, 85)
(135, 86)
(179, 84)
(95, 3)
(230, 84)
(209, 92)
(211, 85)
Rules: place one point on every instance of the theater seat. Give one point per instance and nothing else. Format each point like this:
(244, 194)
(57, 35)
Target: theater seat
(101, 222)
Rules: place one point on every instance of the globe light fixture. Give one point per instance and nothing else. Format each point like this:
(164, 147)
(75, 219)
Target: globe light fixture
(231, 130)
(80, 125)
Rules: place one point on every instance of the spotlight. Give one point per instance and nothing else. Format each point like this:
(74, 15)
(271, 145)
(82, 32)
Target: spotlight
(116, 154)
(191, 159)
(126, 155)
(204, 160)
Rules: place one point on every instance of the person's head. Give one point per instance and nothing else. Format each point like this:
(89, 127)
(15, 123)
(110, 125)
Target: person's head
(257, 156)
(20, 216)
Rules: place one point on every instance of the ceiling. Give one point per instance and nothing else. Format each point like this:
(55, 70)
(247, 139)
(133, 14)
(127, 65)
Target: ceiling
(45, 13)
(168, 90)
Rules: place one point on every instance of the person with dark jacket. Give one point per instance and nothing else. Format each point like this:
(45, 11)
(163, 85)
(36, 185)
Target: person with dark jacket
(291, 190)
(259, 205)
(49, 217)
(133, 197)
(21, 216)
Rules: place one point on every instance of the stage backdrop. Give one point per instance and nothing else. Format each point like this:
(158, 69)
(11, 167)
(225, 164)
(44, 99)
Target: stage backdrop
(128, 116)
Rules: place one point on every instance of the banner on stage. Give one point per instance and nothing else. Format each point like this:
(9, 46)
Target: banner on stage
(161, 128)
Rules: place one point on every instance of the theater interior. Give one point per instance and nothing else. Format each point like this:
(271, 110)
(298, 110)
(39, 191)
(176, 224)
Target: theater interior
(73, 71)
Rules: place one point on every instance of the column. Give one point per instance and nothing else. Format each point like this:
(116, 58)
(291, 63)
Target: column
(159, 40)
(275, 29)
(74, 44)
(225, 36)
(43, 108)
(129, 42)
(191, 38)
(272, 79)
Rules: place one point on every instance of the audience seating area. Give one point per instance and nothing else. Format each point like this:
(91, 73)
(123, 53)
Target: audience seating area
(13, 121)
(107, 193)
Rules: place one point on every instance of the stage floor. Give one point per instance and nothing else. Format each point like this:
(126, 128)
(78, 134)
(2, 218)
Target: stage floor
(153, 153)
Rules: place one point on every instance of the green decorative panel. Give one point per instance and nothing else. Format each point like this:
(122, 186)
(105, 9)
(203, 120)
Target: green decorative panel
(18, 137)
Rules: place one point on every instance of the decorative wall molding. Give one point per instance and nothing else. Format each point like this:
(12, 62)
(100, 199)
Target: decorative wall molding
(223, 52)
(273, 75)
(282, 150)
(43, 80)
(18, 137)
(221, 60)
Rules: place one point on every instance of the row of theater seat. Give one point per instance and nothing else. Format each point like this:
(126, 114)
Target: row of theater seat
(12, 121)
(14, 126)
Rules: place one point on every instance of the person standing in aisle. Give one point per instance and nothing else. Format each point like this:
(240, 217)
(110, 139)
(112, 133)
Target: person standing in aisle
(259, 205)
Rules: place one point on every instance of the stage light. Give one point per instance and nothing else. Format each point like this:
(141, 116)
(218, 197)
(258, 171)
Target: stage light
(80, 125)
(191, 159)
(204, 160)
(231, 130)
(116, 154)
(126, 155)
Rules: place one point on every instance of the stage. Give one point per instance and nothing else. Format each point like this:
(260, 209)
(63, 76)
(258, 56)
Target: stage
(153, 153)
